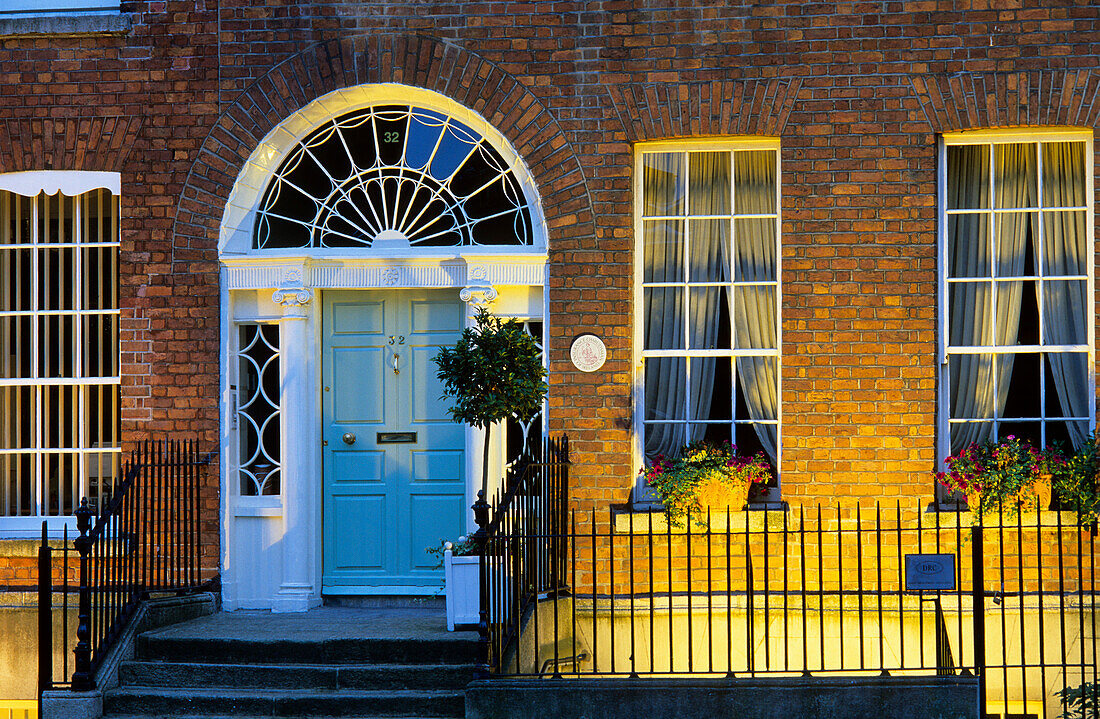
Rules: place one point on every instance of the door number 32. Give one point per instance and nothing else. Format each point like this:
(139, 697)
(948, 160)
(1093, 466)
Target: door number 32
(397, 339)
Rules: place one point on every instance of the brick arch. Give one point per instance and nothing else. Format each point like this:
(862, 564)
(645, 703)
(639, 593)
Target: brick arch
(660, 110)
(971, 100)
(415, 60)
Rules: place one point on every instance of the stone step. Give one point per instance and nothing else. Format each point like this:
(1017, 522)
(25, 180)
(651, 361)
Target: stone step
(457, 650)
(295, 676)
(203, 702)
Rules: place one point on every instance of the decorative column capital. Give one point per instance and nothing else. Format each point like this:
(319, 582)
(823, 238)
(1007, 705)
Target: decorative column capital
(293, 300)
(478, 295)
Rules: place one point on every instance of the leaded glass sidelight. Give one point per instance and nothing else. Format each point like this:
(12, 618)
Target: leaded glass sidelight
(258, 409)
(393, 176)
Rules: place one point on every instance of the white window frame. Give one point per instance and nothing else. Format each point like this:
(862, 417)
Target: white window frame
(72, 184)
(730, 144)
(1035, 135)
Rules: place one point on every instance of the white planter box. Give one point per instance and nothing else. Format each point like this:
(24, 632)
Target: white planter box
(463, 605)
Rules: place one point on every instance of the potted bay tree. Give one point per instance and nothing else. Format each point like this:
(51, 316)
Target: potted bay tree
(492, 373)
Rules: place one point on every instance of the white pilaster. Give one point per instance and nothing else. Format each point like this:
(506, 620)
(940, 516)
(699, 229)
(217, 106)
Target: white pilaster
(299, 427)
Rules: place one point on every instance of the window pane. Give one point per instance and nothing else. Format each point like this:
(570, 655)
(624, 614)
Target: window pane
(663, 315)
(662, 183)
(1064, 243)
(757, 383)
(17, 484)
(971, 386)
(15, 280)
(663, 243)
(15, 347)
(754, 438)
(665, 388)
(1029, 431)
(709, 318)
(711, 388)
(101, 404)
(56, 278)
(754, 243)
(18, 408)
(99, 355)
(57, 345)
(968, 245)
(1066, 384)
(754, 317)
(970, 314)
(664, 440)
(1015, 238)
(258, 408)
(967, 177)
(708, 183)
(1009, 316)
(1065, 307)
(964, 434)
(1020, 372)
(1064, 174)
(709, 251)
(1015, 176)
(754, 182)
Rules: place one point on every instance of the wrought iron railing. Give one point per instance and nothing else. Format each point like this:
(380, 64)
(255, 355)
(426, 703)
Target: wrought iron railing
(803, 592)
(145, 538)
(521, 536)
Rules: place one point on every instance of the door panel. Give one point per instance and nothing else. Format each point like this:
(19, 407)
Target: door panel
(385, 503)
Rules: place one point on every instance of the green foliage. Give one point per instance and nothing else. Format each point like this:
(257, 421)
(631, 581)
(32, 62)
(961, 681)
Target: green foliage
(464, 547)
(493, 372)
(1076, 482)
(1080, 702)
(704, 476)
(1005, 476)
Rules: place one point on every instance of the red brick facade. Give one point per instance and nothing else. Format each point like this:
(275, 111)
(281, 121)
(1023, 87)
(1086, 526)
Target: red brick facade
(856, 92)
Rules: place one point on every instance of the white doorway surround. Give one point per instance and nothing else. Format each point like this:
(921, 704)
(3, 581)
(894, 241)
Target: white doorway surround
(271, 335)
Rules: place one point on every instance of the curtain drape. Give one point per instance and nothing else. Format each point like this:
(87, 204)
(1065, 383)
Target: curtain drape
(1065, 302)
(753, 306)
(665, 379)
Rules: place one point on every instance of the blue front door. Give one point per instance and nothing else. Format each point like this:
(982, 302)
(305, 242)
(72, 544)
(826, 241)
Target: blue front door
(394, 463)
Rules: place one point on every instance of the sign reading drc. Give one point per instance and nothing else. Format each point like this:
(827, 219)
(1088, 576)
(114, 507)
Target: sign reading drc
(929, 571)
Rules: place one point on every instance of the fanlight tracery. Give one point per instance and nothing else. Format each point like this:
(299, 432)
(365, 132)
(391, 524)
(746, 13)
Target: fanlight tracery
(393, 176)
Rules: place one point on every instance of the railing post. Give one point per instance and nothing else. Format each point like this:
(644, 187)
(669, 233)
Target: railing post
(481, 538)
(82, 678)
(978, 571)
(45, 615)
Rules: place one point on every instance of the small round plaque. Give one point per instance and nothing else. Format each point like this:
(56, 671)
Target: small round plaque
(588, 353)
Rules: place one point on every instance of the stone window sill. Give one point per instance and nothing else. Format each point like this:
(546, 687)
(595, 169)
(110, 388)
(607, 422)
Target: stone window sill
(67, 25)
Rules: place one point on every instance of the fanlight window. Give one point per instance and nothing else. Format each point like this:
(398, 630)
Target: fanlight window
(393, 177)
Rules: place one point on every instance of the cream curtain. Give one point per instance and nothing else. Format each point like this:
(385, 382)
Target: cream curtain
(1065, 302)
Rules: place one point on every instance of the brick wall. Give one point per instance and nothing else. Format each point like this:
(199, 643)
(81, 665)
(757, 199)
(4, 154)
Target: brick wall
(855, 91)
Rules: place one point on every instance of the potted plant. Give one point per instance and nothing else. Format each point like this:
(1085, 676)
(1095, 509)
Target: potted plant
(1075, 481)
(1008, 476)
(494, 372)
(705, 478)
(461, 578)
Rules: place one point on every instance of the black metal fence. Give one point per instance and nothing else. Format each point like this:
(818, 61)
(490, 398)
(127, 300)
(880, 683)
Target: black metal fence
(145, 538)
(515, 572)
(807, 592)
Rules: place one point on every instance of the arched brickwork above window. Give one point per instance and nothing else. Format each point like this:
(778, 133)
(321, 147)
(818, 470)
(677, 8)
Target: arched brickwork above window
(964, 101)
(657, 111)
(416, 61)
